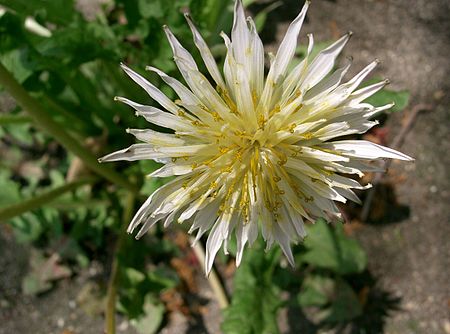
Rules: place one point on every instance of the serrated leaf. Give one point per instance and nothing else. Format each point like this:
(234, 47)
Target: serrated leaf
(152, 318)
(316, 291)
(10, 192)
(256, 299)
(335, 297)
(43, 271)
(133, 276)
(13, 61)
(162, 278)
(328, 247)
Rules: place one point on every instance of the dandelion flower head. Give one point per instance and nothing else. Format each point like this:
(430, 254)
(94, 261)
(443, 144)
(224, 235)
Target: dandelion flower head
(254, 153)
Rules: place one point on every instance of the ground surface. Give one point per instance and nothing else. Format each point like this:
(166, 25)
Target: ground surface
(409, 256)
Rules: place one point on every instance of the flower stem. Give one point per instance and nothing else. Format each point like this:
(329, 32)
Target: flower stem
(213, 279)
(46, 123)
(11, 211)
(14, 119)
(110, 309)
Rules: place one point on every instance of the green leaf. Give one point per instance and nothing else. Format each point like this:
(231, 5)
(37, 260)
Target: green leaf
(315, 291)
(256, 299)
(13, 61)
(162, 278)
(10, 192)
(133, 276)
(386, 96)
(150, 9)
(11, 32)
(345, 305)
(60, 11)
(152, 318)
(328, 247)
(336, 299)
(383, 97)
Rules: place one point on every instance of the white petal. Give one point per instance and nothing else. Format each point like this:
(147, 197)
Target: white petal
(207, 57)
(284, 242)
(347, 193)
(288, 45)
(324, 63)
(240, 36)
(157, 116)
(327, 85)
(156, 138)
(365, 150)
(179, 51)
(171, 169)
(205, 218)
(150, 152)
(154, 92)
(214, 242)
(154, 201)
(363, 93)
(257, 60)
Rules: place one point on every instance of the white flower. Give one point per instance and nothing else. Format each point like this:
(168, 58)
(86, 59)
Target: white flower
(254, 154)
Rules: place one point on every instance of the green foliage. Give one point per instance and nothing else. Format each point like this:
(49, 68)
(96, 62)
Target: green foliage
(59, 12)
(327, 247)
(386, 96)
(332, 256)
(256, 299)
(152, 317)
(337, 300)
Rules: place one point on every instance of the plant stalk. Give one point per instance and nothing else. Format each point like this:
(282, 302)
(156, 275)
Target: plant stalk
(45, 122)
(110, 309)
(17, 209)
(14, 119)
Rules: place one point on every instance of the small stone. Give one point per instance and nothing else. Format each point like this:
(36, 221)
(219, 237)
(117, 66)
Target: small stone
(60, 322)
(446, 326)
(433, 189)
(72, 304)
(123, 326)
(4, 303)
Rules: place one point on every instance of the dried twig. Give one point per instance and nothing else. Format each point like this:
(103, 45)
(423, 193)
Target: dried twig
(213, 279)
(396, 143)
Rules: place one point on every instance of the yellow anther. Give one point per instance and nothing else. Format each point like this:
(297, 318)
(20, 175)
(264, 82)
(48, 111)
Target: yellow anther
(309, 199)
(223, 149)
(307, 135)
(254, 97)
(262, 121)
(216, 116)
(275, 110)
(300, 106)
(282, 162)
(292, 128)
